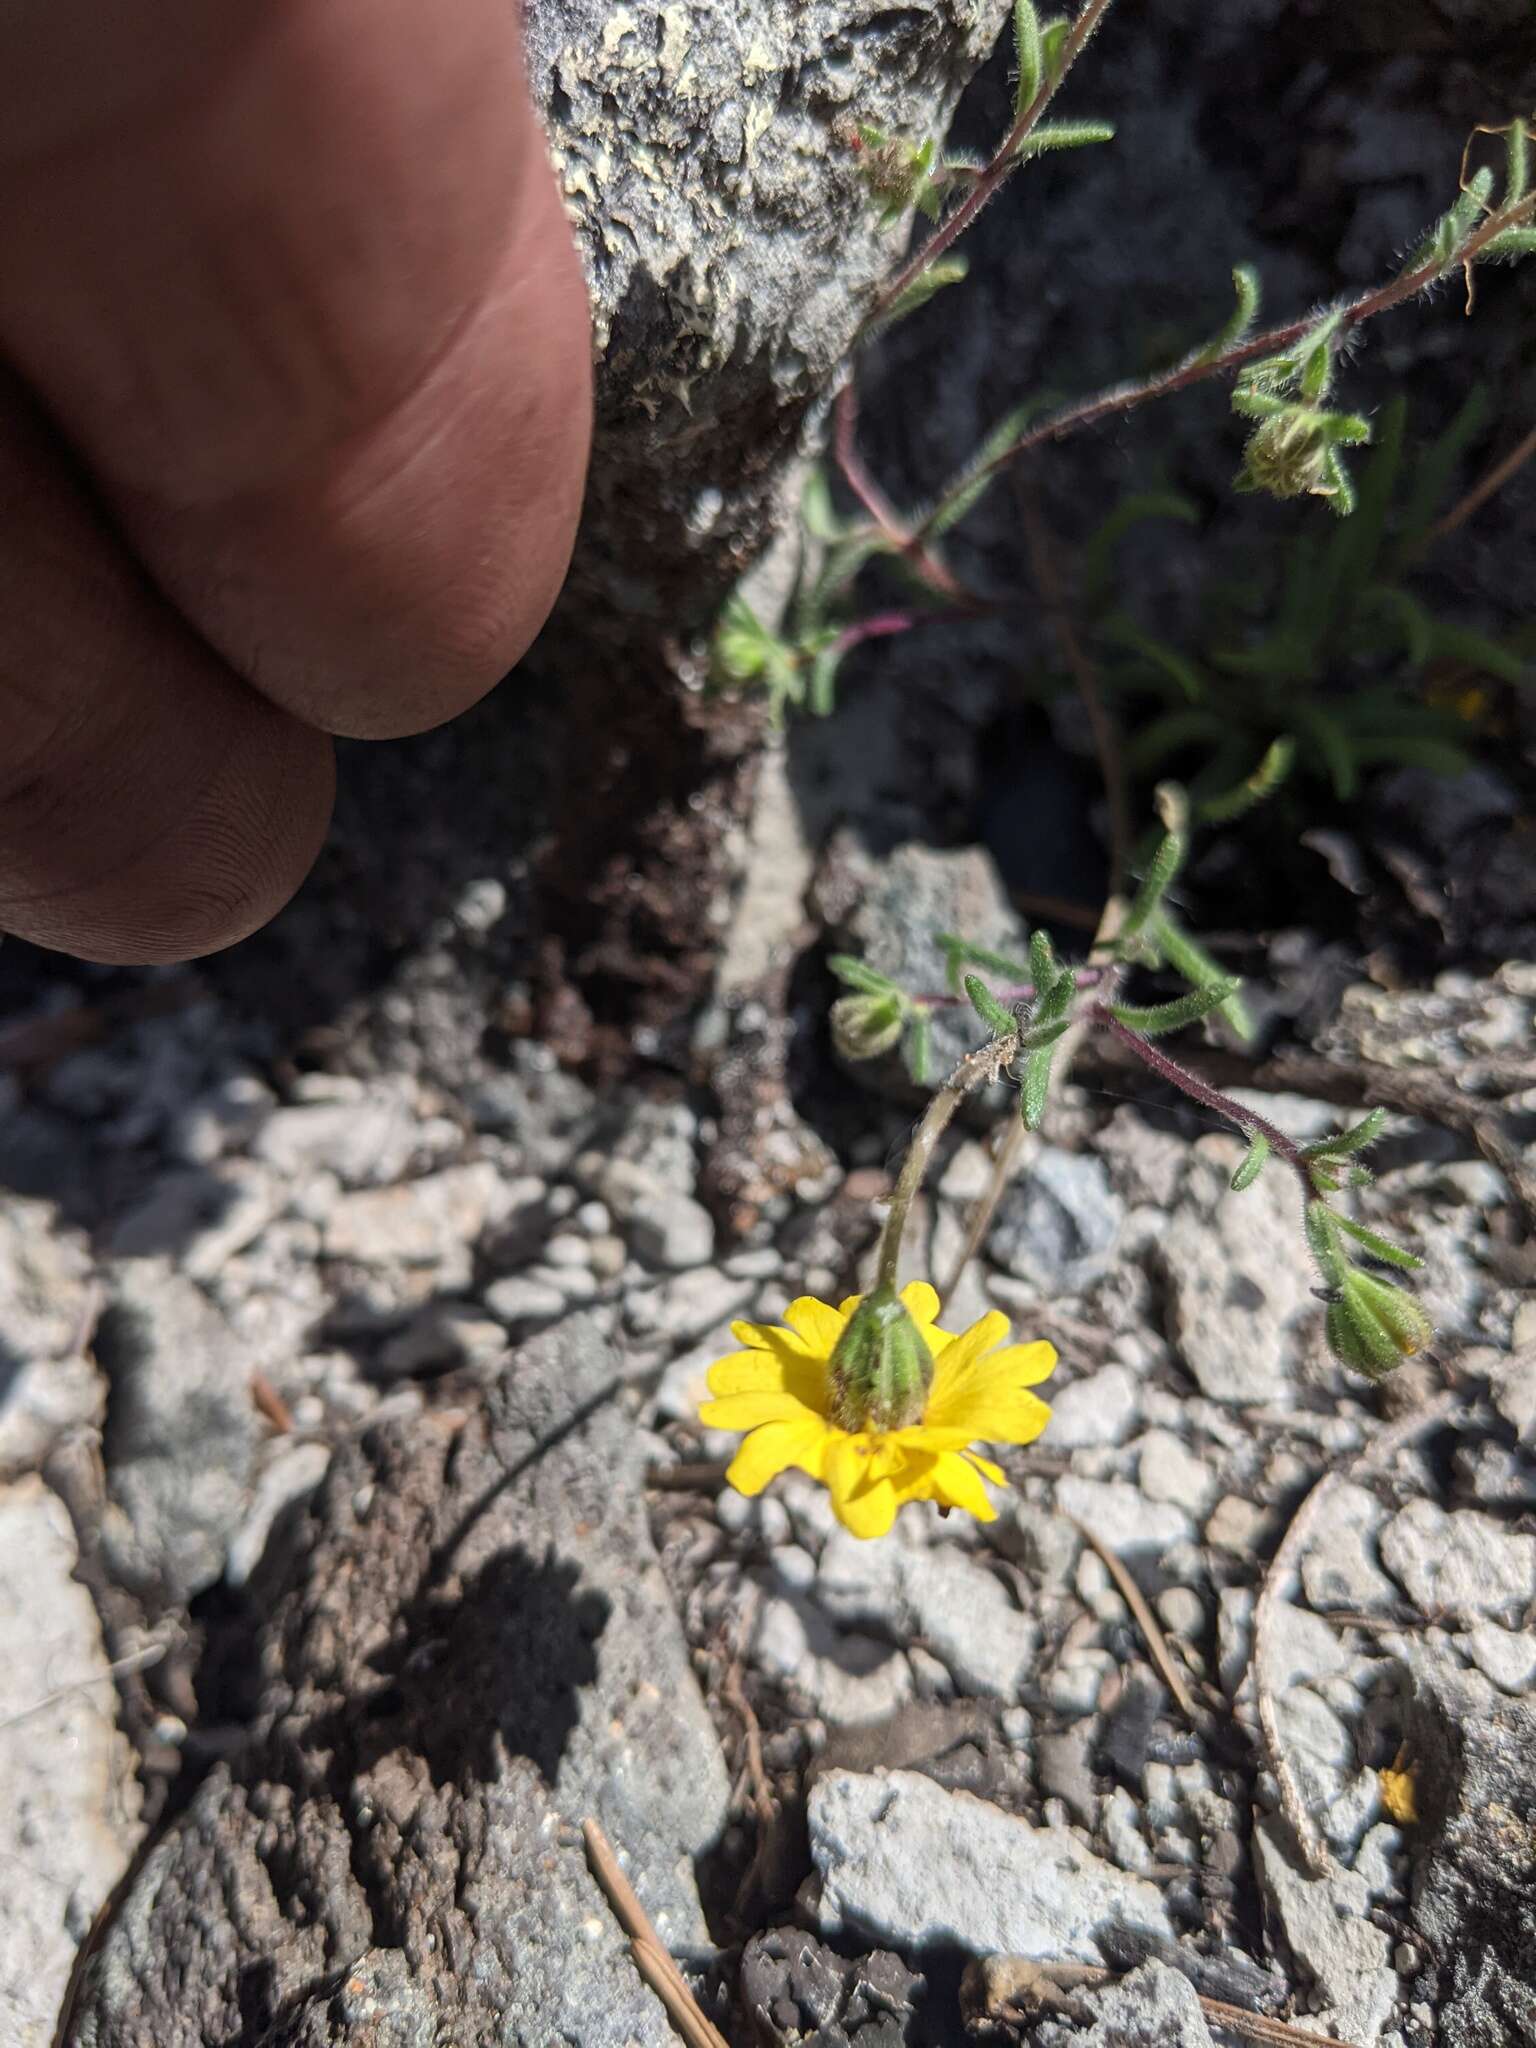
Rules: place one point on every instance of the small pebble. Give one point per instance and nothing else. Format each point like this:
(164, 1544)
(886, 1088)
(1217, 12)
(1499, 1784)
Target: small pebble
(1017, 1725)
(1181, 1611)
(794, 1567)
(568, 1250)
(593, 1219)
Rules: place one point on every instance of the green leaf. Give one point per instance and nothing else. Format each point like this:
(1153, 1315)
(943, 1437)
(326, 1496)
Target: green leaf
(1411, 622)
(969, 484)
(1037, 1086)
(1156, 1019)
(1255, 1159)
(1517, 161)
(1169, 735)
(864, 1027)
(991, 1012)
(946, 270)
(1410, 750)
(1190, 960)
(1437, 466)
(821, 691)
(1162, 869)
(1026, 49)
(742, 641)
(1356, 1138)
(1323, 1243)
(855, 973)
(1331, 741)
(1352, 554)
(1380, 1247)
(1245, 284)
(1052, 135)
(1461, 643)
(1053, 42)
(1036, 1035)
(960, 952)
(1099, 549)
(1236, 802)
(919, 1047)
(1509, 246)
(817, 513)
(1120, 631)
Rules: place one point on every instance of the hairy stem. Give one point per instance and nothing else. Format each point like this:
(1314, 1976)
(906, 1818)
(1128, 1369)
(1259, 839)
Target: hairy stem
(1168, 1069)
(976, 1070)
(1122, 398)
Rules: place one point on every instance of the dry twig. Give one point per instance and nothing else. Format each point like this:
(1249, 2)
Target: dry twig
(1146, 1621)
(1012, 1987)
(651, 1959)
(1381, 1448)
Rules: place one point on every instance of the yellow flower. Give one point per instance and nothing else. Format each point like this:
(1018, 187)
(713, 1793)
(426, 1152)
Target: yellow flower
(781, 1391)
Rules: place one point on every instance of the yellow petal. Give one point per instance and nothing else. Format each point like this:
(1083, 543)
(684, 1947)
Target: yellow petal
(920, 1301)
(960, 1389)
(771, 1372)
(987, 1469)
(774, 1449)
(1015, 1418)
(818, 1326)
(869, 1512)
(922, 1437)
(750, 1410)
(957, 1484)
(963, 1351)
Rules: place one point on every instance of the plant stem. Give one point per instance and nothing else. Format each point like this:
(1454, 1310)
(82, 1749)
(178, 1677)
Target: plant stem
(1168, 1069)
(974, 1071)
(1483, 489)
(1121, 398)
(1001, 167)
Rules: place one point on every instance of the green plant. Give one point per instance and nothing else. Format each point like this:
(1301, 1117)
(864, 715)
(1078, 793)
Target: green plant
(1346, 595)
(1045, 1007)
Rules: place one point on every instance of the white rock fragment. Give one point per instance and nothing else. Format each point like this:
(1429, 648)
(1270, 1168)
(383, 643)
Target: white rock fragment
(1463, 1566)
(904, 1863)
(1324, 1921)
(1120, 1515)
(1100, 1409)
(68, 1819)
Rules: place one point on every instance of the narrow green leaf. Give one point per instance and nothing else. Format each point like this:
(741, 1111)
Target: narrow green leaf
(1323, 1243)
(1517, 161)
(821, 691)
(962, 953)
(1037, 1086)
(1042, 963)
(919, 1046)
(817, 514)
(968, 485)
(1027, 53)
(1236, 802)
(742, 641)
(1167, 661)
(1437, 465)
(1190, 960)
(855, 973)
(1161, 872)
(1509, 246)
(1331, 741)
(1036, 1035)
(1155, 1019)
(991, 1012)
(1053, 135)
(1461, 643)
(1133, 510)
(1255, 1159)
(1411, 622)
(1053, 42)
(946, 270)
(1245, 284)
(1380, 1247)
(1356, 1138)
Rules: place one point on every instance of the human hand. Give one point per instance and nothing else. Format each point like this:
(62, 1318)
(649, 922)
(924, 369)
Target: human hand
(294, 416)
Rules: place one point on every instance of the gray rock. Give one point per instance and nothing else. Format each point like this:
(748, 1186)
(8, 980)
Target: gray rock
(199, 1215)
(1324, 1923)
(1145, 1164)
(1153, 2007)
(1302, 1647)
(1120, 1515)
(672, 1230)
(1064, 1770)
(365, 1143)
(1239, 1280)
(484, 1649)
(433, 1221)
(848, 1678)
(1341, 1568)
(1507, 1656)
(181, 1431)
(47, 1382)
(1514, 1392)
(69, 1818)
(1100, 1409)
(912, 896)
(684, 1308)
(905, 1862)
(1473, 1902)
(290, 1475)
(1463, 1566)
(1057, 1225)
(443, 1335)
(970, 1622)
(1169, 1471)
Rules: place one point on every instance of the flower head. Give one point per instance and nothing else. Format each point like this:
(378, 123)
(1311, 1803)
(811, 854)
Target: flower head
(801, 1411)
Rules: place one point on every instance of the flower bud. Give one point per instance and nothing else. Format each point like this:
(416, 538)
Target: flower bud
(1373, 1326)
(864, 1026)
(881, 1368)
(1288, 455)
